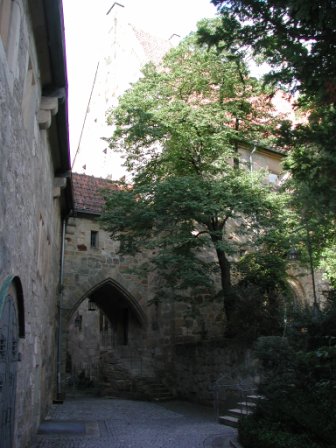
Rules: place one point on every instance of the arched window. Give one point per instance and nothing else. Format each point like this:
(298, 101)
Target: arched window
(11, 329)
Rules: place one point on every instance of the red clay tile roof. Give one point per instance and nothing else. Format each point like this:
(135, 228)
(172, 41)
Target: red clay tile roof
(154, 47)
(87, 193)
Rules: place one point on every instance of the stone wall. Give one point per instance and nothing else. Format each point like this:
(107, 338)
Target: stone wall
(178, 339)
(87, 267)
(103, 274)
(30, 226)
(99, 272)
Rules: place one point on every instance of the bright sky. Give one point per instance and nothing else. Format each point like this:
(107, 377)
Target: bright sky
(84, 27)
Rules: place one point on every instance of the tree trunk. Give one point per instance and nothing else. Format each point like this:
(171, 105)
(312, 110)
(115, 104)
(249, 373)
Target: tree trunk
(225, 271)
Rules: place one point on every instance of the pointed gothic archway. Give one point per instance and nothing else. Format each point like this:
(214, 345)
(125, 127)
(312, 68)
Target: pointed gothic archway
(107, 326)
(298, 290)
(110, 293)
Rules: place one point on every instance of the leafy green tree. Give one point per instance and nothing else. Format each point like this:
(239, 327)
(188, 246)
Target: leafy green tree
(297, 38)
(180, 128)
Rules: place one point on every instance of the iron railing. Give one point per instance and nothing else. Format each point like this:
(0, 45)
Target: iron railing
(229, 393)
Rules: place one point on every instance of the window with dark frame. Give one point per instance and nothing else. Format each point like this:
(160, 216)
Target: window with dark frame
(94, 239)
(125, 326)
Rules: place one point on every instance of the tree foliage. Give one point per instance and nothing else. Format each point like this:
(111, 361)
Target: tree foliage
(298, 40)
(198, 107)
(180, 127)
(299, 384)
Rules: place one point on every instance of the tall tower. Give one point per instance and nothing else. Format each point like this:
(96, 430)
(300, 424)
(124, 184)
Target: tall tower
(126, 50)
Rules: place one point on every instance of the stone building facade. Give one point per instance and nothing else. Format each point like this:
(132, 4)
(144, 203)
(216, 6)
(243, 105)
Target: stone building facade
(95, 272)
(69, 303)
(141, 337)
(108, 320)
(34, 198)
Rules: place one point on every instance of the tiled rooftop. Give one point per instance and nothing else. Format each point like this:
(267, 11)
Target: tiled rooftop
(87, 193)
(154, 47)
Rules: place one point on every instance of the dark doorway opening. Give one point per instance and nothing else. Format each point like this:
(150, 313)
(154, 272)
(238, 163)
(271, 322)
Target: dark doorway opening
(105, 336)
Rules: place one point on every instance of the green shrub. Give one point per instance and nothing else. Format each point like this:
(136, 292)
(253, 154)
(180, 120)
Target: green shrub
(259, 433)
(299, 383)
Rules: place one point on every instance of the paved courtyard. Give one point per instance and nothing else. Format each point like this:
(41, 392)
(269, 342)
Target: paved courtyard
(116, 423)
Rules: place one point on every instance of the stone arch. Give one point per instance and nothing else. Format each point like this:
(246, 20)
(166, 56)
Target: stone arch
(120, 290)
(114, 330)
(11, 329)
(14, 282)
(298, 290)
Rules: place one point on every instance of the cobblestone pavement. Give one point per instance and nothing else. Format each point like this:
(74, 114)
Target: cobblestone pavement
(116, 423)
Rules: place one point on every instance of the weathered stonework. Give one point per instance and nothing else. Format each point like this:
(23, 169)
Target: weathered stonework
(87, 267)
(30, 214)
(165, 339)
(170, 337)
(90, 269)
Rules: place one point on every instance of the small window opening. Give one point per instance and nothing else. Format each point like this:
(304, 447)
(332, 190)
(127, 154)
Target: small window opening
(78, 321)
(3, 345)
(125, 326)
(272, 178)
(94, 238)
(5, 19)
(14, 347)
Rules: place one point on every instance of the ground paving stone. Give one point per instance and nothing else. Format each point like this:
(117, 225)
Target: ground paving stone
(136, 424)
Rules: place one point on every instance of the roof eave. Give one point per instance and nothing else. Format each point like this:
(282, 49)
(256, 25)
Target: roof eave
(54, 25)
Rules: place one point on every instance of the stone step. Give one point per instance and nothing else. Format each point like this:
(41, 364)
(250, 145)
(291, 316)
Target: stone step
(255, 398)
(115, 377)
(228, 420)
(163, 393)
(112, 370)
(116, 373)
(247, 404)
(232, 416)
(163, 399)
(156, 387)
(234, 443)
(153, 389)
(237, 412)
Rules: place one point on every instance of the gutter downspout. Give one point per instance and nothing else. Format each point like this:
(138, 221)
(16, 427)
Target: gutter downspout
(251, 163)
(59, 395)
(251, 159)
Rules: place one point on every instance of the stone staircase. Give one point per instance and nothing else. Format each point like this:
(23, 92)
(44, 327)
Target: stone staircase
(119, 380)
(116, 380)
(232, 416)
(153, 389)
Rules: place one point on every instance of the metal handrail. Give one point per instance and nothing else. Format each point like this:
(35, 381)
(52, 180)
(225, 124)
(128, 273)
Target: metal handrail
(241, 388)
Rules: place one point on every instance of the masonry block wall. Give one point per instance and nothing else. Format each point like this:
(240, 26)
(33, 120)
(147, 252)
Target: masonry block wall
(96, 269)
(90, 266)
(181, 341)
(30, 211)
(86, 267)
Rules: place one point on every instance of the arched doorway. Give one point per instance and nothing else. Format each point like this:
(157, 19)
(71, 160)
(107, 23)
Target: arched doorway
(11, 328)
(298, 291)
(105, 337)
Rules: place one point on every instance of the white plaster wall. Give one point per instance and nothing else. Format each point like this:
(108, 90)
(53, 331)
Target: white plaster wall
(125, 52)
